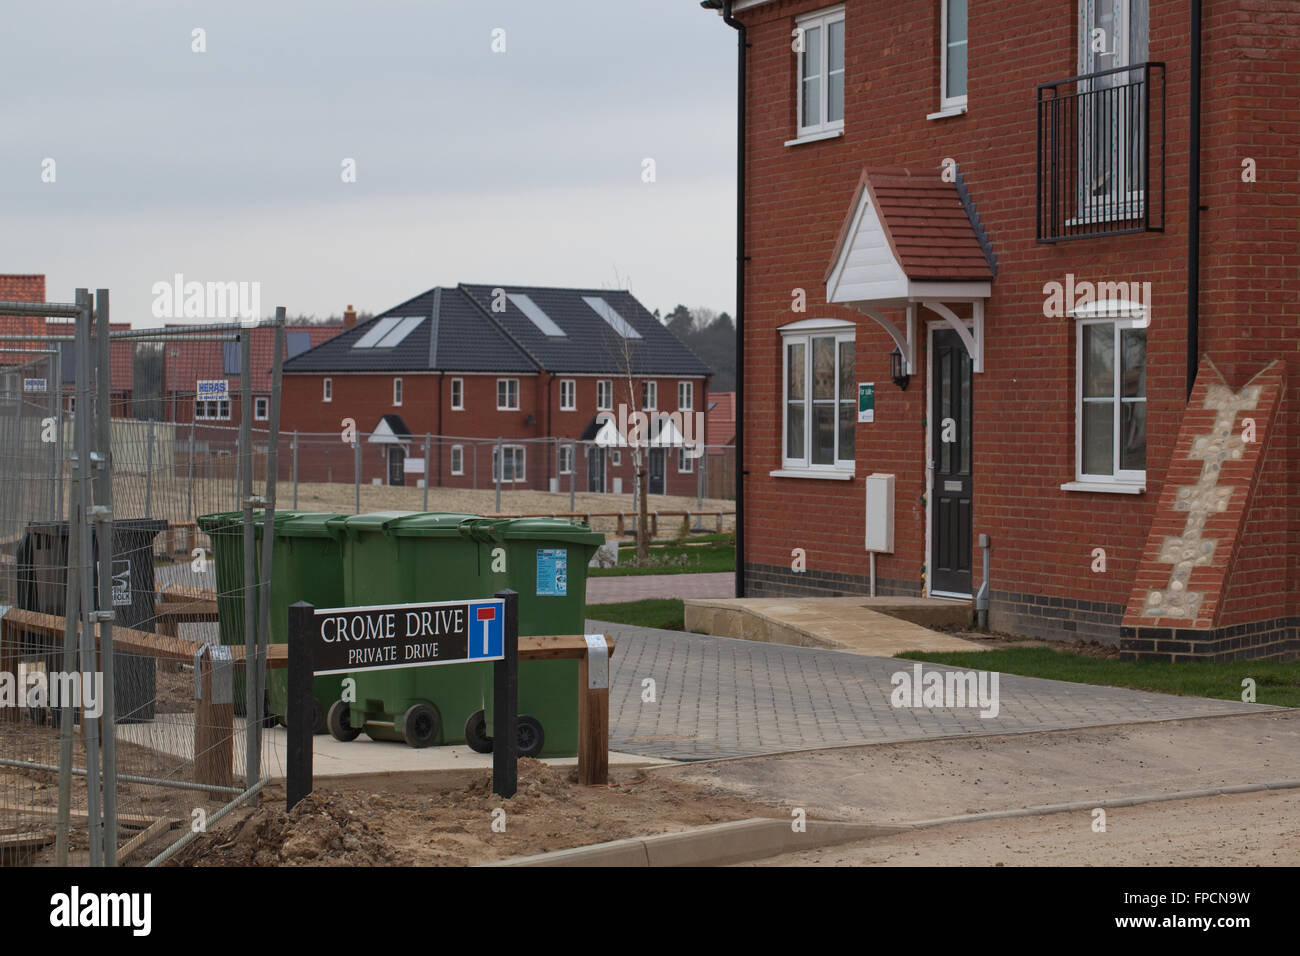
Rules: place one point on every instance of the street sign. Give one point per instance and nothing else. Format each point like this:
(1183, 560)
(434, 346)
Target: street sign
(35, 385)
(215, 390)
(390, 636)
(866, 401)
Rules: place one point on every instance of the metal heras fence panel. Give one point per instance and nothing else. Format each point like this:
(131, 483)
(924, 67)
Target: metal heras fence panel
(109, 747)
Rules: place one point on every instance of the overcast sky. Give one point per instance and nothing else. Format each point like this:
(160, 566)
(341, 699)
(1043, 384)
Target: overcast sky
(518, 167)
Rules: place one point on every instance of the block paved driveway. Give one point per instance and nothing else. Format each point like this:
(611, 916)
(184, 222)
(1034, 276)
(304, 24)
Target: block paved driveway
(720, 697)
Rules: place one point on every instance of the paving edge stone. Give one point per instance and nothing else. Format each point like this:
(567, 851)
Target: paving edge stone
(718, 844)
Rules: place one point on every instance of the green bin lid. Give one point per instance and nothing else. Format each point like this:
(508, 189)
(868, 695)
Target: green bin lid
(306, 524)
(300, 521)
(374, 521)
(429, 524)
(532, 529)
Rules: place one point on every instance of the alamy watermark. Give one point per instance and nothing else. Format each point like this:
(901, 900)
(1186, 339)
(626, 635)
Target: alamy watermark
(946, 689)
(34, 687)
(206, 300)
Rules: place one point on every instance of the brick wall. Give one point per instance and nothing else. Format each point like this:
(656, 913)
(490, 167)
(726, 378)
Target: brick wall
(19, 288)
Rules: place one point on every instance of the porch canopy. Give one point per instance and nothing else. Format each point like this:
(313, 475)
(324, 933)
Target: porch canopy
(391, 430)
(914, 239)
(660, 432)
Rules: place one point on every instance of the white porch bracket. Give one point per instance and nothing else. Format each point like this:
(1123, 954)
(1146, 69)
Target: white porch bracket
(973, 339)
(905, 339)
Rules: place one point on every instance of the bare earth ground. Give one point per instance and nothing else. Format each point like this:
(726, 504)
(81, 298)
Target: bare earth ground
(446, 819)
(1255, 829)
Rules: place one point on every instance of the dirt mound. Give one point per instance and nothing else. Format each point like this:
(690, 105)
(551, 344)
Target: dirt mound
(325, 829)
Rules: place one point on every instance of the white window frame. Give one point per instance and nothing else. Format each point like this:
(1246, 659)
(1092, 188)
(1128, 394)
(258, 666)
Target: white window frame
(822, 19)
(948, 104)
(604, 395)
(615, 458)
(508, 382)
(261, 408)
(803, 332)
(685, 463)
(687, 403)
(649, 396)
(518, 458)
(570, 386)
(1130, 481)
(565, 455)
(457, 451)
(397, 392)
(457, 394)
(327, 390)
(211, 413)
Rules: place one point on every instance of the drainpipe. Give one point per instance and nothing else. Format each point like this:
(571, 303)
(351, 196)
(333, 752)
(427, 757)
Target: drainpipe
(1194, 205)
(982, 596)
(742, 45)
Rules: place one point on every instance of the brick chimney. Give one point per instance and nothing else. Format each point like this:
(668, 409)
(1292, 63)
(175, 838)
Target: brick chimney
(349, 317)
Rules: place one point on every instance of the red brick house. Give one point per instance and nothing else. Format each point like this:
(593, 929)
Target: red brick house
(523, 364)
(1061, 248)
(20, 288)
(186, 363)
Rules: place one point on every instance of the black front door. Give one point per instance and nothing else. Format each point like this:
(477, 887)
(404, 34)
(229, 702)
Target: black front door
(595, 468)
(658, 469)
(950, 453)
(396, 465)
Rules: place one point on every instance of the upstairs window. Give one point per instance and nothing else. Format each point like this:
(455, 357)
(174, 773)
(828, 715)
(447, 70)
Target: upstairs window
(649, 396)
(568, 395)
(327, 390)
(507, 394)
(457, 394)
(819, 45)
(952, 76)
(604, 395)
(686, 396)
(397, 391)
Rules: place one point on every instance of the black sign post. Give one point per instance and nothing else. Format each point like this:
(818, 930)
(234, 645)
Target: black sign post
(343, 640)
(298, 773)
(505, 703)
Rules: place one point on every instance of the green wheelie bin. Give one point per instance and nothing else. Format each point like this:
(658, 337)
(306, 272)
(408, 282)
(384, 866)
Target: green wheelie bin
(408, 559)
(306, 565)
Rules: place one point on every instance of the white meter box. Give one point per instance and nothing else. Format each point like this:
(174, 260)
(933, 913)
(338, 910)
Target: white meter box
(880, 513)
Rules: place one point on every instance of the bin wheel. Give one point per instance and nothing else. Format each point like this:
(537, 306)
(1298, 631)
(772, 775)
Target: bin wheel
(340, 722)
(319, 723)
(420, 725)
(476, 737)
(529, 736)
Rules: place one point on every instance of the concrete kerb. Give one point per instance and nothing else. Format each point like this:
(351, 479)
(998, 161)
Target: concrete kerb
(718, 844)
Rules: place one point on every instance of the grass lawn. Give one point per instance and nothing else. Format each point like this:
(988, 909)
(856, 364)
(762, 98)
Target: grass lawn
(1276, 682)
(666, 613)
(672, 559)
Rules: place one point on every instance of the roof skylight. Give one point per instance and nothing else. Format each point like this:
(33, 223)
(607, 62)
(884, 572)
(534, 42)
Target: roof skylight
(535, 314)
(616, 321)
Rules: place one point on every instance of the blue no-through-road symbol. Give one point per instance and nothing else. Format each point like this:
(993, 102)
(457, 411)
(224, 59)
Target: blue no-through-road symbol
(486, 637)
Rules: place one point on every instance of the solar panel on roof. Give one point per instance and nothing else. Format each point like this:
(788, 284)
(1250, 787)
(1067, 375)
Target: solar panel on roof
(403, 329)
(377, 331)
(535, 314)
(616, 321)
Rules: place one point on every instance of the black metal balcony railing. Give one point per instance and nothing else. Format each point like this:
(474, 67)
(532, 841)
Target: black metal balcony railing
(1101, 154)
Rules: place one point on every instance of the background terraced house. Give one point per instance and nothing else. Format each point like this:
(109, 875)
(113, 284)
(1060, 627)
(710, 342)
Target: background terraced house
(924, 171)
(482, 362)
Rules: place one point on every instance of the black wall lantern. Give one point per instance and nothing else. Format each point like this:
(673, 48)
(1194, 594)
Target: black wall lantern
(896, 369)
